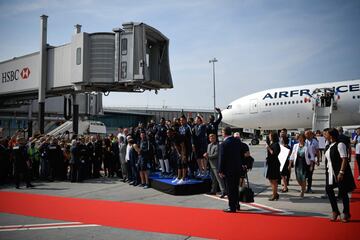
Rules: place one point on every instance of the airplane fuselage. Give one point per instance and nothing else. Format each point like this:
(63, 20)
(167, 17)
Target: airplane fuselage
(293, 107)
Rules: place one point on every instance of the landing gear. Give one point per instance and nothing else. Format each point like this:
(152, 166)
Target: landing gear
(255, 141)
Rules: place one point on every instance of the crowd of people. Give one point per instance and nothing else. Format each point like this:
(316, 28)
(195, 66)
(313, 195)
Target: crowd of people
(177, 148)
(183, 149)
(304, 154)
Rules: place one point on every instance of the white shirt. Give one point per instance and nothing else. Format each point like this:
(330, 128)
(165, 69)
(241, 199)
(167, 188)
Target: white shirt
(343, 154)
(357, 146)
(313, 146)
(120, 135)
(127, 156)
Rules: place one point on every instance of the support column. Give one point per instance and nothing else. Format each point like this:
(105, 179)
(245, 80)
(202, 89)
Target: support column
(75, 118)
(43, 67)
(30, 122)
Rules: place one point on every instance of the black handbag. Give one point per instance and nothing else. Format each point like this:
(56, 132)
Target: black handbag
(246, 194)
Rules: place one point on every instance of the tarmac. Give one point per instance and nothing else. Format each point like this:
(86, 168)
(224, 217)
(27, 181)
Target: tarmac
(15, 226)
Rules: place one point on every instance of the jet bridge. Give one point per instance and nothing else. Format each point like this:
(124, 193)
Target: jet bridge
(133, 58)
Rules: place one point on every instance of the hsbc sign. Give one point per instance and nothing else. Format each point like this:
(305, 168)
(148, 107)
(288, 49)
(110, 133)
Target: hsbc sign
(14, 75)
(20, 74)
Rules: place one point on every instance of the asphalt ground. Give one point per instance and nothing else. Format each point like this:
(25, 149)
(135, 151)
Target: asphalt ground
(14, 226)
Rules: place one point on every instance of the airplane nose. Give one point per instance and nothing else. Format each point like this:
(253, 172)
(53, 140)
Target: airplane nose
(226, 116)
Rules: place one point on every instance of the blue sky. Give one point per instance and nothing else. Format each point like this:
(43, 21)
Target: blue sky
(260, 44)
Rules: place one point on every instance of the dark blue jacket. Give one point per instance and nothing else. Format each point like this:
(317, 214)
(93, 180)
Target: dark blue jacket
(231, 156)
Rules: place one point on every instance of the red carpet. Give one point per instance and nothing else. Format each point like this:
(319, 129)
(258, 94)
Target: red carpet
(180, 220)
(355, 198)
(177, 220)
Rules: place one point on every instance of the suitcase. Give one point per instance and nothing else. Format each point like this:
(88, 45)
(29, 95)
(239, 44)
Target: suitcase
(246, 194)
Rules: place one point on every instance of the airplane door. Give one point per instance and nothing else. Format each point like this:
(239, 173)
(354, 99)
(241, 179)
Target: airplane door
(253, 106)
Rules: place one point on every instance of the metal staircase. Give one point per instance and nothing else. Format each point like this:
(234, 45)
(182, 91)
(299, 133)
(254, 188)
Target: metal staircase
(322, 116)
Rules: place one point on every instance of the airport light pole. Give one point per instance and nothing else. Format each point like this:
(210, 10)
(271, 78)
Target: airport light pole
(213, 61)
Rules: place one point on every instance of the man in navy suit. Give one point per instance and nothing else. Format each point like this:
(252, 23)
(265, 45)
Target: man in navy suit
(230, 164)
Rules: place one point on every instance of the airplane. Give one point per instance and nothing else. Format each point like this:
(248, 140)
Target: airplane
(293, 107)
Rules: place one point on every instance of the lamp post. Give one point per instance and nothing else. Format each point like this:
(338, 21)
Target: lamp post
(213, 61)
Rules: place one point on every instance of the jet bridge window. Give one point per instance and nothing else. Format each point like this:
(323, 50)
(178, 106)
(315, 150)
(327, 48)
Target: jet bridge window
(123, 69)
(78, 56)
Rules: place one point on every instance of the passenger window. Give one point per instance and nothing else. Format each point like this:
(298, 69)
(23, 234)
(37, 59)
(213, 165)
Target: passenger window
(229, 107)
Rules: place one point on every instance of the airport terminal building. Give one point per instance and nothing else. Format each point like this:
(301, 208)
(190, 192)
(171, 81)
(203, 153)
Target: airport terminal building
(90, 108)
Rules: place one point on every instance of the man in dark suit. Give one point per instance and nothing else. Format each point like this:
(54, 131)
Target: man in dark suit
(230, 164)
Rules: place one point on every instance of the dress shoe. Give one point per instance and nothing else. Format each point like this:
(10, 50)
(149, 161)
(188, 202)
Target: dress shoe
(222, 195)
(309, 191)
(238, 208)
(334, 216)
(211, 193)
(229, 210)
(346, 218)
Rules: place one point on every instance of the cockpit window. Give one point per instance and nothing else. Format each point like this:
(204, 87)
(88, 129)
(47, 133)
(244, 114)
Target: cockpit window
(229, 107)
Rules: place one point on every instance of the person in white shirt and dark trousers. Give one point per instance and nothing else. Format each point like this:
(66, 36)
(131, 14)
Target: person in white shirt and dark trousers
(356, 142)
(338, 174)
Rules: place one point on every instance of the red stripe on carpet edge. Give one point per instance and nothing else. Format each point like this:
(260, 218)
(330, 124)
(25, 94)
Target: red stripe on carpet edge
(174, 220)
